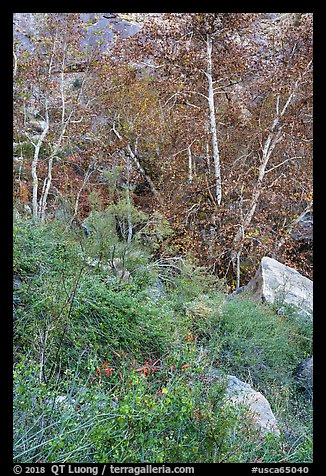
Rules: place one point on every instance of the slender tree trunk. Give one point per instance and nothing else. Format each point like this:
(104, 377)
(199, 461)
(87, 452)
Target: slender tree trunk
(37, 148)
(273, 138)
(238, 270)
(129, 217)
(212, 119)
(48, 180)
(137, 163)
(36, 209)
(15, 62)
(190, 177)
(44, 197)
(89, 172)
(142, 171)
(208, 159)
(129, 237)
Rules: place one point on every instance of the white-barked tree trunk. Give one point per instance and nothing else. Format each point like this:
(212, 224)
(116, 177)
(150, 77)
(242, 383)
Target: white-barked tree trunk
(212, 120)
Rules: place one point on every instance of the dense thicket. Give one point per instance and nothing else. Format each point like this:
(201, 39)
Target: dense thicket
(204, 118)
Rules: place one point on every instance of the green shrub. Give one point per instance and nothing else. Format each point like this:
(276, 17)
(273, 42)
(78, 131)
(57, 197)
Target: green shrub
(129, 412)
(132, 371)
(264, 347)
(40, 249)
(255, 342)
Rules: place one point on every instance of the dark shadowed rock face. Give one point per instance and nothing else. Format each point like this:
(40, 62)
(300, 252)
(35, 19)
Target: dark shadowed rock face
(100, 28)
(304, 229)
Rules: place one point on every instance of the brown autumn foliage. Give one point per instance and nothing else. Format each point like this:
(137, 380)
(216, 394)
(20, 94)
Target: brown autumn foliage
(141, 112)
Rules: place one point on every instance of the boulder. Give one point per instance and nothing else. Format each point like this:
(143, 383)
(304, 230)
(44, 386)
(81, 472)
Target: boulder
(241, 393)
(65, 402)
(279, 284)
(115, 265)
(17, 283)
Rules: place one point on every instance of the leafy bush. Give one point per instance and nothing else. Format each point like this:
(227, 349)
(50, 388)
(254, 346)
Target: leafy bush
(66, 309)
(124, 236)
(41, 249)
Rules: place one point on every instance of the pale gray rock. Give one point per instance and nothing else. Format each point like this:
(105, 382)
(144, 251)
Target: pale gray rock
(279, 284)
(65, 402)
(24, 28)
(27, 209)
(156, 291)
(241, 393)
(17, 283)
(60, 399)
(115, 265)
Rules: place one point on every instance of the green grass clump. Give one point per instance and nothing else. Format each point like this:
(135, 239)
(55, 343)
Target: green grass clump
(254, 341)
(263, 347)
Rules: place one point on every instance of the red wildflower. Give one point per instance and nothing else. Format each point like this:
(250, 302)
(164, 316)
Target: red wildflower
(108, 371)
(149, 367)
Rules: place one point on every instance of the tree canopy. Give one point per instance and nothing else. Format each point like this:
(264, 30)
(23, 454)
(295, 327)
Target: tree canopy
(203, 117)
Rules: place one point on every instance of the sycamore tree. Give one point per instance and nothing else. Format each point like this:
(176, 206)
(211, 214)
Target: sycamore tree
(233, 103)
(134, 128)
(50, 116)
(260, 77)
(202, 55)
(279, 97)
